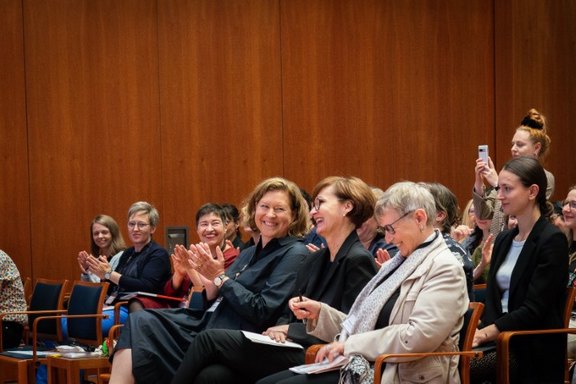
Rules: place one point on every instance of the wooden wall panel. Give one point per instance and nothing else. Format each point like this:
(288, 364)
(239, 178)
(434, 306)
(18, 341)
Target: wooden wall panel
(14, 192)
(179, 102)
(538, 44)
(387, 91)
(93, 118)
(220, 101)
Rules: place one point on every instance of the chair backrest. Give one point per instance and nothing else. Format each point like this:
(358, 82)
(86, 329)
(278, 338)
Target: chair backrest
(570, 297)
(480, 293)
(47, 295)
(27, 283)
(86, 299)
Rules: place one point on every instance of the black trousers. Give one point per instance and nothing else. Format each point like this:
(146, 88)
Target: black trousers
(226, 356)
(289, 377)
(11, 334)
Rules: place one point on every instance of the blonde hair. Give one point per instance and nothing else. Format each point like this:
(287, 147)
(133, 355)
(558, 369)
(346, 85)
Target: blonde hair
(298, 205)
(466, 220)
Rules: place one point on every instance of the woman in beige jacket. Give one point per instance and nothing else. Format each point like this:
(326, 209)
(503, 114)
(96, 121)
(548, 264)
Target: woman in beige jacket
(415, 303)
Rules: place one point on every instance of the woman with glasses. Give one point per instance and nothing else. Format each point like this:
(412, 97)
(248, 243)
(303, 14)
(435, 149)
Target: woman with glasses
(415, 303)
(526, 287)
(569, 216)
(145, 266)
(251, 295)
(211, 229)
(335, 274)
(569, 224)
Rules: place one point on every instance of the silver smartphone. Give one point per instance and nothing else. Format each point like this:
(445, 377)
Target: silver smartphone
(483, 153)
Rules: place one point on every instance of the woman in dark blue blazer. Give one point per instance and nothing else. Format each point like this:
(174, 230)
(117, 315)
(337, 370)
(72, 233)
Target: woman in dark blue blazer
(527, 280)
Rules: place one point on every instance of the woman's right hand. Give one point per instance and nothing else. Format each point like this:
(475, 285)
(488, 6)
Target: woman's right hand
(305, 308)
(180, 260)
(486, 172)
(382, 256)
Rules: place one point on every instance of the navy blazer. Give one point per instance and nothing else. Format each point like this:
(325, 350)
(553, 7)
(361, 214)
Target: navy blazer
(152, 269)
(536, 299)
(262, 280)
(336, 283)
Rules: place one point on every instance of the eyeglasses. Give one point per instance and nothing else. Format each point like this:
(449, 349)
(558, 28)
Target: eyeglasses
(389, 227)
(571, 204)
(318, 202)
(132, 225)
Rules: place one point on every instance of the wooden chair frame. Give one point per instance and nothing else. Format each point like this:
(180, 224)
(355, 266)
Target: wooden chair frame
(503, 341)
(26, 367)
(466, 354)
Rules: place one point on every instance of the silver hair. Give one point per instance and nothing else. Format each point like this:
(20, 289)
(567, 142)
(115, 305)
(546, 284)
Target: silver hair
(407, 196)
(143, 206)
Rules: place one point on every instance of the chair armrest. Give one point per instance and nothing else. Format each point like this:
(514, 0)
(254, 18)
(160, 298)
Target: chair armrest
(117, 307)
(48, 311)
(42, 318)
(311, 352)
(378, 364)
(503, 347)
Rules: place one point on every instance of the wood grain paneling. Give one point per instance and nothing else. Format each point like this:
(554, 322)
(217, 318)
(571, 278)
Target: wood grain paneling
(180, 102)
(387, 91)
(14, 192)
(540, 73)
(220, 101)
(94, 134)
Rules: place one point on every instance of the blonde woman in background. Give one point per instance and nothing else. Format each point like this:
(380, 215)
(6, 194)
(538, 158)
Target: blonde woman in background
(106, 241)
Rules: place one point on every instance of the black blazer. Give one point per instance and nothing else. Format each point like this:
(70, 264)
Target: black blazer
(536, 299)
(336, 284)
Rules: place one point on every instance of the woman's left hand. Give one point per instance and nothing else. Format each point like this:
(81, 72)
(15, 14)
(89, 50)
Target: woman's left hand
(330, 351)
(277, 333)
(98, 266)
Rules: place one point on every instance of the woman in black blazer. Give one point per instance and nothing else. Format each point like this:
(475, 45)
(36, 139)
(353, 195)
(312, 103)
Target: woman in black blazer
(527, 280)
(335, 274)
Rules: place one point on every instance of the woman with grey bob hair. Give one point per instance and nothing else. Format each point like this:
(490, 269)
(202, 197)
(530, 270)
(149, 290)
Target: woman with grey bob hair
(407, 196)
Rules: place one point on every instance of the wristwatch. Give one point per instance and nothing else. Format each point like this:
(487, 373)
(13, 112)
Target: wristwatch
(108, 275)
(219, 280)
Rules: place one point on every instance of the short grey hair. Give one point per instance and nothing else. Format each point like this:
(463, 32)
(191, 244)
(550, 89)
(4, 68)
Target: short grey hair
(407, 196)
(143, 206)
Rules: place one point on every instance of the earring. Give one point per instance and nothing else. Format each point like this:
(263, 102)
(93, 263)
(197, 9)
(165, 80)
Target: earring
(421, 229)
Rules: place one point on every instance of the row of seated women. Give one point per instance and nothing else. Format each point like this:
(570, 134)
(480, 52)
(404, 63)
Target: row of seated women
(413, 303)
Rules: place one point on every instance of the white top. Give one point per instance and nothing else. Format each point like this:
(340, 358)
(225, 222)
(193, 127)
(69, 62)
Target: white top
(504, 274)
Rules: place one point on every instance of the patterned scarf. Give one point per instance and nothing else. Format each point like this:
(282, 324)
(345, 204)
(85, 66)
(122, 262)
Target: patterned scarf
(369, 303)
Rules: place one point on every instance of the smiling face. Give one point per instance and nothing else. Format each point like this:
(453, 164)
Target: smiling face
(102, 237)
(522, 145)
(273, 215)
(211, 230)
(568, 212)
(515, 197)
(139, 230)
(407, 235)
(328, 212)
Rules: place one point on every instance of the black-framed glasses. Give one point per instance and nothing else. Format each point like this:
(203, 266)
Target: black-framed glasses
(571, 204)
(390, 227)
